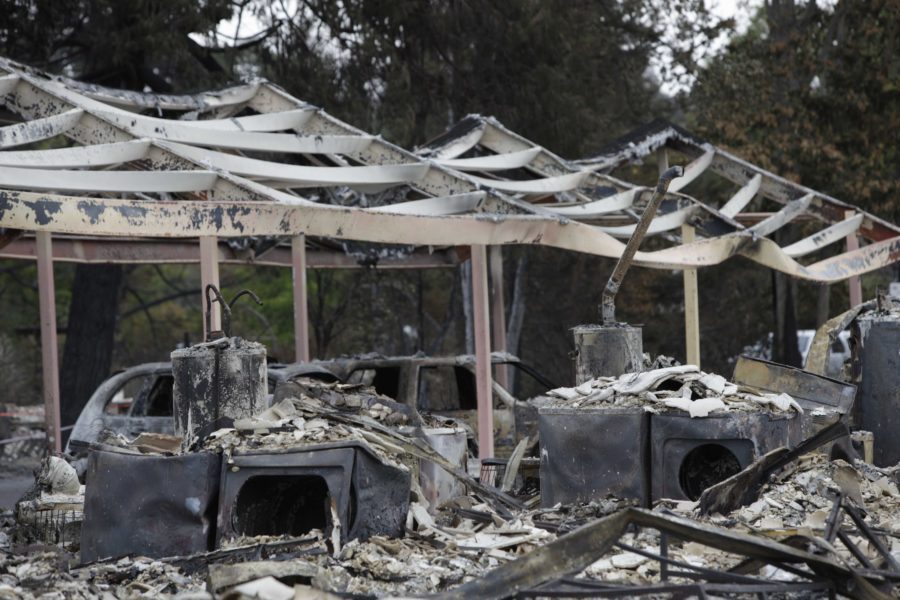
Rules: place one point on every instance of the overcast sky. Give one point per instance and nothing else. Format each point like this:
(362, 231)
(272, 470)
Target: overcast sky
(740, 10)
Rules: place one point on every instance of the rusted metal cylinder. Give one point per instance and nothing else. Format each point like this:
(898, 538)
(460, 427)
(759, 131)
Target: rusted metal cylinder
(607, 351)
(225, 378)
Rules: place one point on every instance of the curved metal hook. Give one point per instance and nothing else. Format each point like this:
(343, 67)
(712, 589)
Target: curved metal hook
(226, 315)
(245, 293)
(225, 310)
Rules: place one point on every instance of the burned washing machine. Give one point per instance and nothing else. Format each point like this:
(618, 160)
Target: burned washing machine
(160, 506)
(628, 453)
(688, 455)
(589, 454)
(150, 505)
(164, 505)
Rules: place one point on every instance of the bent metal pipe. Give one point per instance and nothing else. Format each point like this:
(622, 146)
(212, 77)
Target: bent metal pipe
(608, 306)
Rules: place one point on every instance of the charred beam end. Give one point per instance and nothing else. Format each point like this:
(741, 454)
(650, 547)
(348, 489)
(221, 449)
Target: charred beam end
(608, 306)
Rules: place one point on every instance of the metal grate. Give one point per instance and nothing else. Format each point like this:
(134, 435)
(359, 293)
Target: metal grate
(492, 471)
(59, 527)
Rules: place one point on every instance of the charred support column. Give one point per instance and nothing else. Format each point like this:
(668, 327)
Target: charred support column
(481, 320)
(498, 313)
(222, 378)
(853, 282)
(691, 296)
(209, 275)
(49, 342)
(691, 306)
(301, 314)
(615, 348)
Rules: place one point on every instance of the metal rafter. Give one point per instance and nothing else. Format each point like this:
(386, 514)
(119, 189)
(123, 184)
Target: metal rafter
(478, 206)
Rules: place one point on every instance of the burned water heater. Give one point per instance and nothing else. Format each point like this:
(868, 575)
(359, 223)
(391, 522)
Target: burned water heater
(222, 377)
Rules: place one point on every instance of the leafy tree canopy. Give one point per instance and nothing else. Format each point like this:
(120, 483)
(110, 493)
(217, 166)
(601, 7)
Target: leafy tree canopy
(813, 94)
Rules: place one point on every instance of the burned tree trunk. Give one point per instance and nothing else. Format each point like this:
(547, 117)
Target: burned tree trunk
(87, 355)
(465, 276)
(785, 349)
(516, 314)
(786, 18)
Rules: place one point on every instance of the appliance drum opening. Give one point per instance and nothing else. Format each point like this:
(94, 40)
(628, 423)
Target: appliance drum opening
(282, 505)
(705, 466)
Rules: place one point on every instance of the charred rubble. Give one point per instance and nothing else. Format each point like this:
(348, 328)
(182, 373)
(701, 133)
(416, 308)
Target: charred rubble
(816, 527)
(665, 482)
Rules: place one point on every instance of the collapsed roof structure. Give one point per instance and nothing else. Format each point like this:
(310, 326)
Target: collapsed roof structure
(587, 194)
(253, 161)
(254, 165)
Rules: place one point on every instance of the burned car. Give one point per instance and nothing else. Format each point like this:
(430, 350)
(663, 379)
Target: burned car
(444, 386)
(139, 400)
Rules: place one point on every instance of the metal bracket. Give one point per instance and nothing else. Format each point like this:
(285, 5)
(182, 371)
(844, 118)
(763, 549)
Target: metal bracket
(608, 302)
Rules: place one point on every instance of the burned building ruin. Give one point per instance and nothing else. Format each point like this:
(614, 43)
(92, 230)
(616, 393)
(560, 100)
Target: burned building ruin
(639, 477)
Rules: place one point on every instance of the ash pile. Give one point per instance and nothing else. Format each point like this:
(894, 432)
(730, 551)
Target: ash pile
(679, 387)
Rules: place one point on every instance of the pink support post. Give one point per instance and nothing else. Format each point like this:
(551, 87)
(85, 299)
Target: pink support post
(498, 313)
(49, 342)
(854, 282)
(301, 315)
(209, 275)
(481, 310)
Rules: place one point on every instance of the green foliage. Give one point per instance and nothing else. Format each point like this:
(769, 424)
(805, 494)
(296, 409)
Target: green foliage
(20, 335)
(813, 95)
(122, 43)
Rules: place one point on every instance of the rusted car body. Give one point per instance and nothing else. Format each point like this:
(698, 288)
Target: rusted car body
(444, 386)
(139, 399)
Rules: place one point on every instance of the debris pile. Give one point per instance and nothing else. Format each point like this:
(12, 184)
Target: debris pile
(484, 543)
(803, 497)
(471, 548)
(280, 426)
(50, 573)
(52, 511)
(682, 387)
(308, 411)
